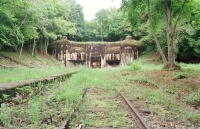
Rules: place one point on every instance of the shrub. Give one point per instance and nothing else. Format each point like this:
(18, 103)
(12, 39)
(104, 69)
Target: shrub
(135, 65)
(181, 75)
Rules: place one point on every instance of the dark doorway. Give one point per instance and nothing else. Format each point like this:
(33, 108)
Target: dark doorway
(113, 62)
(96, 62)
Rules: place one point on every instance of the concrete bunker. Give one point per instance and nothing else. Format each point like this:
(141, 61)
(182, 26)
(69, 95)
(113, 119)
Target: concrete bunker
(96, 54)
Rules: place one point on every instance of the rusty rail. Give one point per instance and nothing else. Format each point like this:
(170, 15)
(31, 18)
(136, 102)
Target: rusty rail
(143, 122)
(66, 121)
(12, 85)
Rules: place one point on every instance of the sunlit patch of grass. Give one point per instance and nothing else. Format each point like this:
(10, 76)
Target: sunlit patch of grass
(143, 79)
(16, 74)
(151, 67)
(190, 66)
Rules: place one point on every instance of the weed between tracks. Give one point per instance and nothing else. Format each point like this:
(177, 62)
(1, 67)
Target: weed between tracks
(102, 108)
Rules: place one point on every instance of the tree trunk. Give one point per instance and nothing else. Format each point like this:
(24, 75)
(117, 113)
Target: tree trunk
(1, 46)
(34, 44)
(101, 32)
(21, 50)
(41, 46)
(30, 46)
(155, 37)
(46, 46)
(169, 33)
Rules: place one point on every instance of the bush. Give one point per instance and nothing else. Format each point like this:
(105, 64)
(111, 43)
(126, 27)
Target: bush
(181, 75)
(135, 65)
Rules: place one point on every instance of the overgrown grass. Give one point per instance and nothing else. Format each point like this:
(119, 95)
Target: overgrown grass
(194, 98)
(42, 104)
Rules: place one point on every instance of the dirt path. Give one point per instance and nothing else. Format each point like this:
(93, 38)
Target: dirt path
(102, 109)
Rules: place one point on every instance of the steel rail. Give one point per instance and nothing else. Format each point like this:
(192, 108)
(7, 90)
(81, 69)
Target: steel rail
(66, 121)
(135, 111)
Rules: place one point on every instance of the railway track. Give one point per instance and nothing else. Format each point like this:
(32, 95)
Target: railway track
(105, 109)
(18, 97)
(102, 109)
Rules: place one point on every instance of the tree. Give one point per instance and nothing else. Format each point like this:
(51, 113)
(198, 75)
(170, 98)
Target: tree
(33, 23)
(10, 25)
(77, 17)
(102, 18)
(111, 24)
(117, 27)
(91, 31)
(170, 10)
